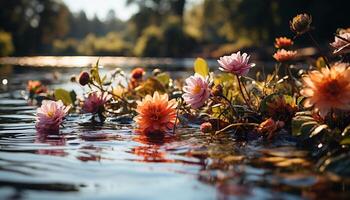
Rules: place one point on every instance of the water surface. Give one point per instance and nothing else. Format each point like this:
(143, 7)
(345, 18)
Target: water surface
(110, 161)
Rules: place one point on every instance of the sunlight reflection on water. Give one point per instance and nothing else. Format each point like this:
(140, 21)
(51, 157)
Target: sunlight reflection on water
(109, 161)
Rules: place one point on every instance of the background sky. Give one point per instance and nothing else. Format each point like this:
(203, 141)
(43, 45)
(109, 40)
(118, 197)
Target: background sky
(101, 8)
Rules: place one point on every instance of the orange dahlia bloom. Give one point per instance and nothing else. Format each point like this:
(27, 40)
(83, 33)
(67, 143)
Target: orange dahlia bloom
(156, 114)
(283, 42)
(282, 55)
(327, 89)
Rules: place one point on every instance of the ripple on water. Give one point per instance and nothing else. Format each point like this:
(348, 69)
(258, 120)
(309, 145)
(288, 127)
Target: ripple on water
(91, 161)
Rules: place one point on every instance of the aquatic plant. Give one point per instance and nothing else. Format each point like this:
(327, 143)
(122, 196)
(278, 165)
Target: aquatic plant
(156, 114)
(283, 55)
(236, 63)
(95, 103)
(196, 91)
(283, 42)
(50, 116)
(311, 105)
(327, 89)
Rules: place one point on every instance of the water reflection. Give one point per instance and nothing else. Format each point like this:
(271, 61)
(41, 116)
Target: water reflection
(55, 142)
(91, 161)
(151, 150)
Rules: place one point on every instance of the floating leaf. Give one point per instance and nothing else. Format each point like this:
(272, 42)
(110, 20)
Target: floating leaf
(64, 96)
(201, 67)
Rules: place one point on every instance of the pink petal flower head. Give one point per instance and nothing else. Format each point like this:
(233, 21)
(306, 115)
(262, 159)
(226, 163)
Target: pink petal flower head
(341, 46)
(196, 91)
(50, 116)
(95, 102)
(236, 63)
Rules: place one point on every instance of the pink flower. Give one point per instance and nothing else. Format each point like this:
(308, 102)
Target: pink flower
(50, 116)
(236, 63)
(341, 46)
(196, 91)
(95, 102)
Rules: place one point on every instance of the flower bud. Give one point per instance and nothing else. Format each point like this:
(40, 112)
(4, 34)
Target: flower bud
(217, 90)
(137, 73)
(84, 78)
(206, 127)
(156, 71)
(73, 79)
(301, 23)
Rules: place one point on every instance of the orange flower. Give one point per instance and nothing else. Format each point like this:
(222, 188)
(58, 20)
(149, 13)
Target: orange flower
(155, 114)
(282, 55)
(35, 87)
(327, 89)
(283, 42)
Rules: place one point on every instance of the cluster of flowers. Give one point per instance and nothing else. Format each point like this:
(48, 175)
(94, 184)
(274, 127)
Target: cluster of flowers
(325, 92)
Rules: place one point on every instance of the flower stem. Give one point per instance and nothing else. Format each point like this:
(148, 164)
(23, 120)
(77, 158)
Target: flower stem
(111, 93)
(291, 79)
(177, 115)
(242, 93)
(319, 49)
(235, 125)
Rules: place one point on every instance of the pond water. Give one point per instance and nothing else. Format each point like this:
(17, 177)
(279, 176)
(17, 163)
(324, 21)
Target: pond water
(110, 161)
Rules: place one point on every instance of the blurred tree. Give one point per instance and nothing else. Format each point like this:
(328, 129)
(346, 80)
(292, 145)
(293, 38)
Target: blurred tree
(33, 24)
(6, 45)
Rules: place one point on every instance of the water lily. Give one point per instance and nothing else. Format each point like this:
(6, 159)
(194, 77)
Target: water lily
(196, 91)
(95, 102)
(236, 63)
(327, 89)
(156, 114)
(50, 116)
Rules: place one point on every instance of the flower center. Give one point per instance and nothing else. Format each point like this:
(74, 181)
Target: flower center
(333, 88)
(196, 89)
(50, 113)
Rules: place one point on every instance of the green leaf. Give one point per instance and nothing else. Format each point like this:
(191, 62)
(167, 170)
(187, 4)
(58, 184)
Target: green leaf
(301, 125)
(64, 96)
(73, 96)
(201, 67)
(345, 141)
(164, 78)
(95, 75)
(307, 127)
(318, 130)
